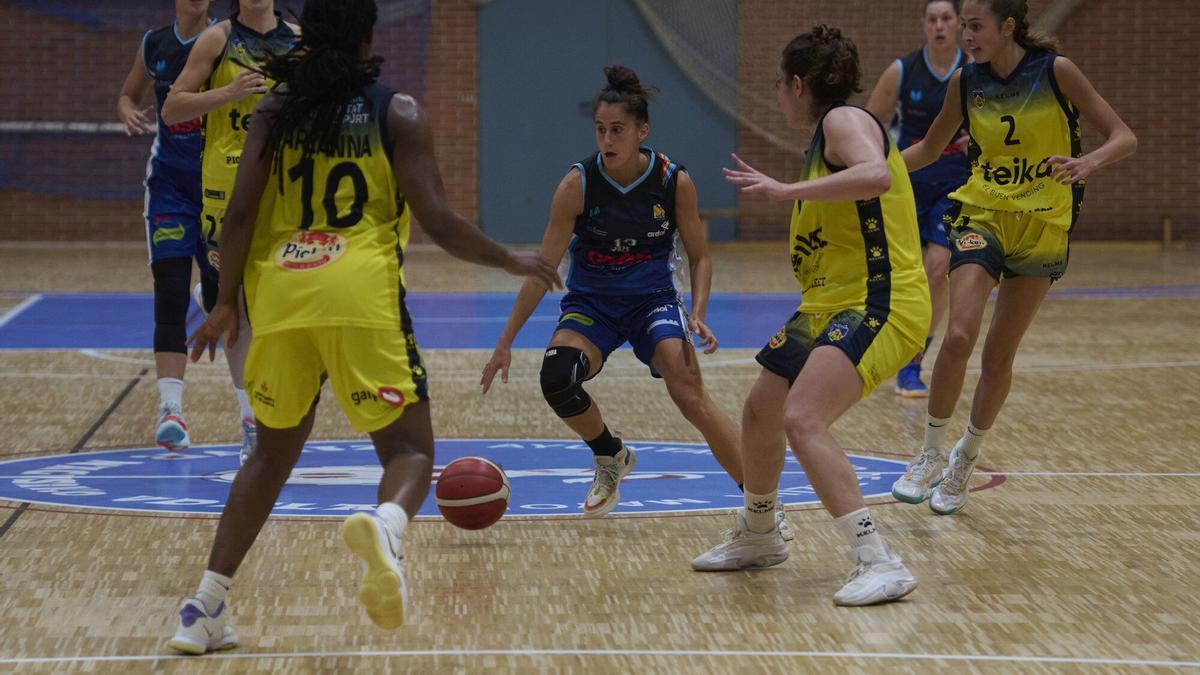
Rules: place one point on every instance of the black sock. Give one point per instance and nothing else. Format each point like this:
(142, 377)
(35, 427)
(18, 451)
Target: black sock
(605, 444)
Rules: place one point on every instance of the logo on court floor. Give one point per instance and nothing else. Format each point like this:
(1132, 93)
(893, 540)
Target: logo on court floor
(337, 478)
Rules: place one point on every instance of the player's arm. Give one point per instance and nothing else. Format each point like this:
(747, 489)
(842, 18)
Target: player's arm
(137, 83)
(566, 204)
(695, 242)
(1119, 141)
(186, 101)
(944, 128)
(854, 140)
(420, 182)
(884, 97)
(237, 231)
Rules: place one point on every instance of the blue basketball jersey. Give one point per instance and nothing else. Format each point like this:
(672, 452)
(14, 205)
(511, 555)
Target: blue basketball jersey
(173, 174)
(921, 94)
(625, 238)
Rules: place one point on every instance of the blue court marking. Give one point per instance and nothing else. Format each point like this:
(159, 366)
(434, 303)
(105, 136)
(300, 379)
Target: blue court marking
(337, 478)
(442, 320)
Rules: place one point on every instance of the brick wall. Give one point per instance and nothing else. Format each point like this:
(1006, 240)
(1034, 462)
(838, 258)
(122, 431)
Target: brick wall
(1135, 53)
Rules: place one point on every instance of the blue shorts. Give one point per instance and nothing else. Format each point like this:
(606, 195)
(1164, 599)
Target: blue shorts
(171, 235)
(608, 321)
(933, 210)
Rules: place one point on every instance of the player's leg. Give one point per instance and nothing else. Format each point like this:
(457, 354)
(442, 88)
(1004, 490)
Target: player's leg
(171, 279)
(1016, 305)
(286, 369)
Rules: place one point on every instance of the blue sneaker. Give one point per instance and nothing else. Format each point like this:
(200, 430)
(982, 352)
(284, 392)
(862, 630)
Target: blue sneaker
(909, 384)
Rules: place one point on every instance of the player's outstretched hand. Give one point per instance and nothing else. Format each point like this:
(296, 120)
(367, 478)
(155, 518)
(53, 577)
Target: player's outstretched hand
(708, 341)
(138, 122)
(500, 361)
(754, 182)
(532, 265)
(222, 320)
(246, 83)
(1068, 170)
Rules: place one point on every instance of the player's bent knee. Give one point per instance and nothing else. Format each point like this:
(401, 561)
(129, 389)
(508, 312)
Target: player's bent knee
(564, 370)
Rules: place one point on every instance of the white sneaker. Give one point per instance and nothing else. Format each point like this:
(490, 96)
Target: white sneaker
(383, 590)
(249, 439)
(171, 432)
(923, 474)
(782, 522)
(200, 632)
(951, 495)
(605, 492)
(878, 576)
(743, 549)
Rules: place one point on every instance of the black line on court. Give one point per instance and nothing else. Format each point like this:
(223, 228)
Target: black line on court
(87, 436)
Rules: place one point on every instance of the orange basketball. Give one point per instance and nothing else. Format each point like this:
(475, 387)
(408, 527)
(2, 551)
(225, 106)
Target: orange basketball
(472, 492)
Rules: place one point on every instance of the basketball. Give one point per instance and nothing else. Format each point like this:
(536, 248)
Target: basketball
(472, 493)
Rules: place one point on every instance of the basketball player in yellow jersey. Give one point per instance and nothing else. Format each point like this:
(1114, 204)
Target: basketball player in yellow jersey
(864, 312)
(221, 84)
(1021, 103)
(319, 223)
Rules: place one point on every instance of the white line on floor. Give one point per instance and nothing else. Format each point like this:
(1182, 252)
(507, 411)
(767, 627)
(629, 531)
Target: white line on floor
(19, 309)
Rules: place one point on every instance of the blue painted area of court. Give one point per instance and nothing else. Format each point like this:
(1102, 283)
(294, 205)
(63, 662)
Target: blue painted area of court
(441, 320)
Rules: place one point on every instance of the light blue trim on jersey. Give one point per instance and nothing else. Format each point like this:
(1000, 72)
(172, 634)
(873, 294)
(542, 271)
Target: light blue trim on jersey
(569, 276)
(211, 21)
(900, 80)
(925, 55)
(629, 188)
(583, 178)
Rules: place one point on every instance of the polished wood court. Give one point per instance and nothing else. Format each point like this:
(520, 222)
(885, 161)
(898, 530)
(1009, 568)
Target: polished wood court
(1084, 558)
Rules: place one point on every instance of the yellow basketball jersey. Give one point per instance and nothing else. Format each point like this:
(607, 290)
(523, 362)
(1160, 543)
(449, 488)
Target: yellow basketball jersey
(328, 247)
(857, 254)
(225, 128)
(1017, 124)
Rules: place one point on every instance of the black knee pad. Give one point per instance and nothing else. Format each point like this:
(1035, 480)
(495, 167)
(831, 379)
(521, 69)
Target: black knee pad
(564, 370)
(171, 279)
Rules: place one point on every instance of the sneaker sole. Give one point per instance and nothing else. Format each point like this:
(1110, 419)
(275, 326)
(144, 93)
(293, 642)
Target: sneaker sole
(612, 502)
(380, 590)
(903, 588)
(913, 500)
(911, 393)
(172, 438)
(197, 649)
(760, 564)
(945, 513)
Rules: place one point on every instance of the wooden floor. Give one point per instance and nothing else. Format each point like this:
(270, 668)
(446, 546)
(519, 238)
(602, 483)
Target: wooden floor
(1085, 558)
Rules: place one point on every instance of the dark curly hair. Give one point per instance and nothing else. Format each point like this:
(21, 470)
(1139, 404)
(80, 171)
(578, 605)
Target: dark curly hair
(322, 74)
(826, 61)
(624, 87)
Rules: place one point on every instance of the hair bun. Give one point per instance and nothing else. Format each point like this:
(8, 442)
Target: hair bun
(823, 34)
(621, 78)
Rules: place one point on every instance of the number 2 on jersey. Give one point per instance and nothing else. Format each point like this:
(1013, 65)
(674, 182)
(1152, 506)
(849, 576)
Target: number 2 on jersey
(303, 171)
(1012, 129)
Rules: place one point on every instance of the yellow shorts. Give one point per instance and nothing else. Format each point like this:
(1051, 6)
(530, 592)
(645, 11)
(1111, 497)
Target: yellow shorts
(1008, 243)
(374, 373)
(212, 218)
(878, 347)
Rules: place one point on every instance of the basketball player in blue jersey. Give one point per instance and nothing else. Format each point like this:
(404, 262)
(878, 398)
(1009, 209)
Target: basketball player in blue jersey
(617, 214)
(172, 210)
(910, 94)
(1022, 104)
(221, 84)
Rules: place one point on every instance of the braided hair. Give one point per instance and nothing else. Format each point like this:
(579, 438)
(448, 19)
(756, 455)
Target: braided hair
(1022, 35)
(826, 61)
(321, 75)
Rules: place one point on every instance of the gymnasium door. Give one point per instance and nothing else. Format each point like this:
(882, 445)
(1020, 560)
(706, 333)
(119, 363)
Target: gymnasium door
(540, 63)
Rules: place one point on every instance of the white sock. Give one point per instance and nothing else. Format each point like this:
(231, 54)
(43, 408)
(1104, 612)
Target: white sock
(971, 442)
(935, 432)
(759, 511)
(170, 392)
(858, 529)
(393, 517)
(243, 403)
(213, 589)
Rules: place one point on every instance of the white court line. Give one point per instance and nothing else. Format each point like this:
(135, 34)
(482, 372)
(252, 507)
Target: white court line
(916, 656)
(19, 309)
